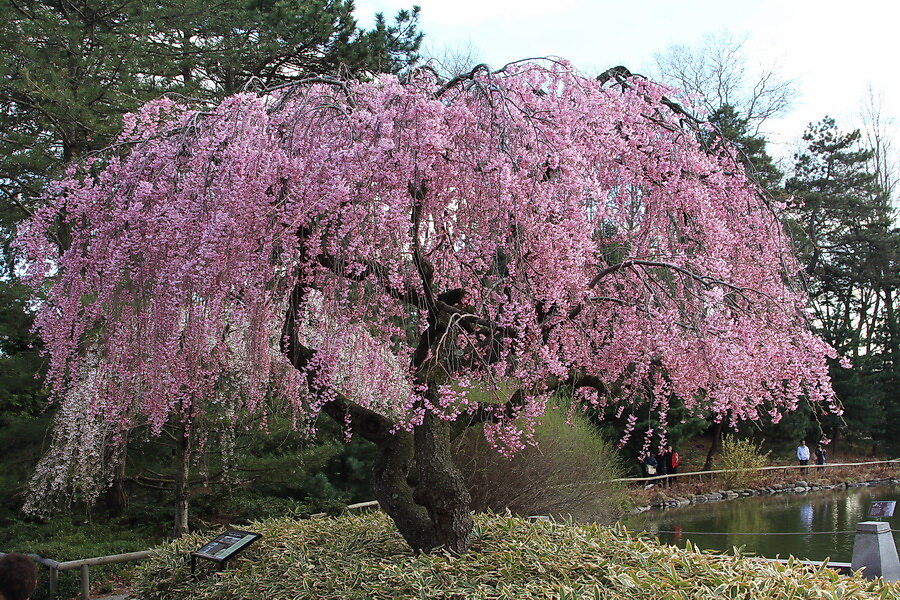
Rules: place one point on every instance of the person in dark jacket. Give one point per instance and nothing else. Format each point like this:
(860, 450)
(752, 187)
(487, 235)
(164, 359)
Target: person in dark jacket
(650, 465)
(820, 458)
(671, 460)
(662, 467)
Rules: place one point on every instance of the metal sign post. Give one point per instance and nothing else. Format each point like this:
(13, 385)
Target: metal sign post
(224, 547)
(882, 509)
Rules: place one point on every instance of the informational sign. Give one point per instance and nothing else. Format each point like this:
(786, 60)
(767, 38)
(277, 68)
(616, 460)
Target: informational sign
(225, 546)
(882, 508)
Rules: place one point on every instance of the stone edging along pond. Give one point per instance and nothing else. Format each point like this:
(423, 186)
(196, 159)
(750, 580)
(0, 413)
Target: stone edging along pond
(798, 487)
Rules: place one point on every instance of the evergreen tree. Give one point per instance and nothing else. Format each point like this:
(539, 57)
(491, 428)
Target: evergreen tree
(220, 50)
(20, 389)
(69, 70)
(751, 147)
(846, 240)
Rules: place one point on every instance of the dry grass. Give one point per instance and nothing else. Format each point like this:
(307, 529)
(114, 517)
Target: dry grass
(362, 557)
(549, 478)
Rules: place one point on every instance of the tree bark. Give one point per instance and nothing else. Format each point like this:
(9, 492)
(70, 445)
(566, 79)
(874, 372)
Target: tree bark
(417, 483)
(182, 484)
(714, 447)
(414, 478)
(441, 488)
(116, 497)
(394, 460)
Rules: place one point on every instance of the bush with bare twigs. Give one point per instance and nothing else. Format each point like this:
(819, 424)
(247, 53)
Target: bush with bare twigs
(565, 475)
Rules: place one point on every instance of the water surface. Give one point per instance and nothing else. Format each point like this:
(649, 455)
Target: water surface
(820, 524)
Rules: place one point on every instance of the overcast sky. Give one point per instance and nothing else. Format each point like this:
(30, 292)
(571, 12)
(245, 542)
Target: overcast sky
(833, 50)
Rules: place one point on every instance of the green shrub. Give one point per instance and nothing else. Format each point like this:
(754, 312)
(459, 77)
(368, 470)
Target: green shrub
(359, 557)
(743, 454)
(561, 476)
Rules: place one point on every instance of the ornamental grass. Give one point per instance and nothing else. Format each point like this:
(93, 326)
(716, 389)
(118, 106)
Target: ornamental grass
(363, 557)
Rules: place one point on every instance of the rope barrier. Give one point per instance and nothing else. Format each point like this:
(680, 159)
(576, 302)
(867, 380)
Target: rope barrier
(766, 468)
(756, 533)
(700, 474)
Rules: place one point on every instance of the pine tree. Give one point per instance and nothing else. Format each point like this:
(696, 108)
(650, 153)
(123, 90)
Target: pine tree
(751, 148)
(220, 50)
(845, 236)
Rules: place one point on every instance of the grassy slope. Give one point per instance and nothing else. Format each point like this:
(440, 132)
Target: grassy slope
(362, 557)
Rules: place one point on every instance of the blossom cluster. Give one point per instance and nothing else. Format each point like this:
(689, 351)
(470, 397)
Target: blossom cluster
(590, 233)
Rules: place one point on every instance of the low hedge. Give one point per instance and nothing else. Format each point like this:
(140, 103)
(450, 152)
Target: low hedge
(363, 557)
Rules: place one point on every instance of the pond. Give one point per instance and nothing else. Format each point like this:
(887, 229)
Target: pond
(813, 526)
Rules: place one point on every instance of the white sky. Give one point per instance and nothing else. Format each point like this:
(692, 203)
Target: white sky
(834, 50)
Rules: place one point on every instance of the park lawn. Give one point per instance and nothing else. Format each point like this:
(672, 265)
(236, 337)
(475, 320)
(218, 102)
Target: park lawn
(363, 557)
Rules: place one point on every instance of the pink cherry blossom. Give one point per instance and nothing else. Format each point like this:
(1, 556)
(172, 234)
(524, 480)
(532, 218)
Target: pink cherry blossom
(594, 245)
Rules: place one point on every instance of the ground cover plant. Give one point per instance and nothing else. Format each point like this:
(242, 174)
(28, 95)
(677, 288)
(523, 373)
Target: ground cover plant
(375, 251)
(363, 557)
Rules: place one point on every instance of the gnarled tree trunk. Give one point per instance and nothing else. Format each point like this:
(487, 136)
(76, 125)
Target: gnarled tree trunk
(441, 488)
(714, 446)
(415, 479)
(417, 484)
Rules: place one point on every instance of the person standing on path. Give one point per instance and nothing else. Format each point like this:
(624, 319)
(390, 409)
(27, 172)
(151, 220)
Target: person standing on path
(674, 461)
(650, 465)
(662, 468)
(820, 458)
(803, 456)
(670, 460)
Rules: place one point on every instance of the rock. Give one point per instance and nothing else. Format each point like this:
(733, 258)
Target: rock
(638, 510)
(802, 484)
(697, 499)
(714, 497)
(800, 489)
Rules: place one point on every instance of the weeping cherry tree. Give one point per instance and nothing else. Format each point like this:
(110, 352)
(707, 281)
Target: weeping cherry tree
(416, 257)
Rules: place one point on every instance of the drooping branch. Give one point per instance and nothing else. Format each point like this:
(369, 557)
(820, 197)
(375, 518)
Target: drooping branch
(706, 281)
(367, 423)
(460, 78)
(378, 272)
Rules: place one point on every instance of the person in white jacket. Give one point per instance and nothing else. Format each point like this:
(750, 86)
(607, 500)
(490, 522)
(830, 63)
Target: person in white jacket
(803, 456)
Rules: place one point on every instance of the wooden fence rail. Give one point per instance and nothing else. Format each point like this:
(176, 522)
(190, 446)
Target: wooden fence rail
(84, 565)
(701, 474)
(784, 468)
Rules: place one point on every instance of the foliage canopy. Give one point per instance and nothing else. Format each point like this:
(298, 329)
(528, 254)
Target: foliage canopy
(377, 250)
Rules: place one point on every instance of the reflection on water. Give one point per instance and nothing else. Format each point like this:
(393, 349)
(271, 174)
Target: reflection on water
(821, 524)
